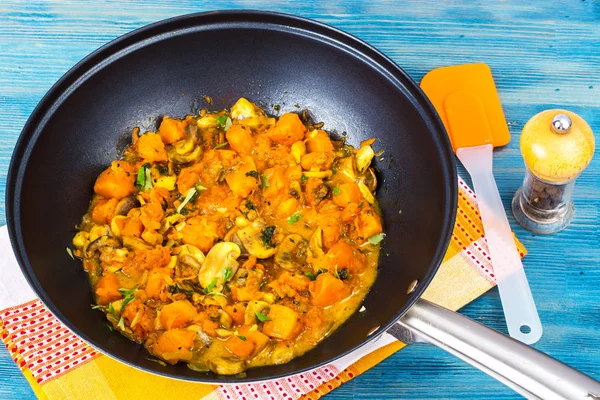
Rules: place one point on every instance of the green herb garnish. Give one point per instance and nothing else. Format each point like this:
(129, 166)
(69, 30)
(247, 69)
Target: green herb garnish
(336, 191)
(376, 238)
(221, 120)
(304, 178)
(193, 191)
(228, 123)
(211, 286)
(267, 236)
(162, 169)
(262, 317)
(213, 293)
(109, 326)
(294, 218)
(111, 310)
(95, 306)
(262, 284)
(221, 145)
(199, 187)
(227, 274)
(242, 337)
(311, 275)
(129, 296)
(121, 324)
(144, 177)
(249, 205)
(253, 174)
(70, 252)
(264, 181)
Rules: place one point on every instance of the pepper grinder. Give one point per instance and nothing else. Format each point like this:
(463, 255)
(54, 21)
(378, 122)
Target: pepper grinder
(557, 145)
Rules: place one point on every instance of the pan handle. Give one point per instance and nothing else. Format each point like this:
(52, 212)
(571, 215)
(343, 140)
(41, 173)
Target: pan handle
(526, 370)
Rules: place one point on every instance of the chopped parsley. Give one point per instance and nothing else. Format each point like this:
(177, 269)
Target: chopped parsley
(264, 181)
(221, 120)
(221, 145)
(95, 306)
(376, 238)
(129, 296)
(267, 236)
(253, 174)
(228, 123)
(199, 188)
(162, 169)
(249, 205)
(311, 275)
(227, 274)
(262, 317)
(304, 178)
(111, 309)
(336, 191)
(242, 337)
(144, 177)
(211, 286)
(70, 252)
(188, 197)
(294, 218)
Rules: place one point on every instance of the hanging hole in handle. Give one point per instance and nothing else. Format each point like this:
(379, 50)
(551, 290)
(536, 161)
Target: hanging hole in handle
(525, 329)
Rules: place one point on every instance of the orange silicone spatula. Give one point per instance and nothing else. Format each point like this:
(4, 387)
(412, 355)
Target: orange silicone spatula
(466, 99)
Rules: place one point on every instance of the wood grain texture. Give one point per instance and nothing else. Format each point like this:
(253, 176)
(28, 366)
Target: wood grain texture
(543, 55)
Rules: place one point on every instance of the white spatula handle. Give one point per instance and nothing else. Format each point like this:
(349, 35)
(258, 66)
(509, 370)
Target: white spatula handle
(520, 312)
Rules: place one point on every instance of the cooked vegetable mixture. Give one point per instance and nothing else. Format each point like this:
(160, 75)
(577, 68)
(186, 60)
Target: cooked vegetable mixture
(232, 240)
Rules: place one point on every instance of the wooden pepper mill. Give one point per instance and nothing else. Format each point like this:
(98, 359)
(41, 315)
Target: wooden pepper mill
(557, 145)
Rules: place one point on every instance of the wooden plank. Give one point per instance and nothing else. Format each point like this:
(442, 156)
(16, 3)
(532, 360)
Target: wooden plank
(543, 55)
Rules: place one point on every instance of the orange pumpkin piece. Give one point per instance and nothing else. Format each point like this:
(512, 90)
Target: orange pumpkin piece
(276, 181)
(104, 211)
(284, 323)
(200, 232)
(107, 289)
(318, 140)
(328, 290)
(345, 256)
(368, 223)
(317, 161)
(247, 344)
(236, 312)
(286, 208)
(133, 225)
(175, 345)
(177, 314)
(346, 193)
(240, 139)
(245, 179)
(156, 286)
(117, 181)
(151, 148)
(287, 130)
(171, 130)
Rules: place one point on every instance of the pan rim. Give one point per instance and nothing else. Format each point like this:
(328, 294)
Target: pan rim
(52, 99)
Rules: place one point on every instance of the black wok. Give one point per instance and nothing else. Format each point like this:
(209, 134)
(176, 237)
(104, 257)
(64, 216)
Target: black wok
(164, 69)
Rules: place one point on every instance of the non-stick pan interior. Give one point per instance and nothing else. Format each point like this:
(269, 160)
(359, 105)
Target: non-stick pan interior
(165, 69)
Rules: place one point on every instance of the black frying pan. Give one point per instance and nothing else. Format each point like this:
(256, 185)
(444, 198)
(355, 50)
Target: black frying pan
(86, 118)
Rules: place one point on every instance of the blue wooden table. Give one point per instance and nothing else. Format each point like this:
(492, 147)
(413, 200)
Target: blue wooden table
(543, 55)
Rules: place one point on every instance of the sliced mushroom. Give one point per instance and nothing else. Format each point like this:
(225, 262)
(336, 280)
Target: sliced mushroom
(369, 179)
(190, 255)
(223, 256)
(254, 307)
(134, 243)
(101, 242)
(126, 204)
(184, 158)
(316, 243)
(253, 239)
(291, 253)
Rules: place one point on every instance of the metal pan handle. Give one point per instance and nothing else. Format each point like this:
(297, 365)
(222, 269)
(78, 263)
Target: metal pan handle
(528, 371)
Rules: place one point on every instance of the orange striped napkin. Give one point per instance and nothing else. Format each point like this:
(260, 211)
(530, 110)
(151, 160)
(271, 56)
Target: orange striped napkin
(59, 365)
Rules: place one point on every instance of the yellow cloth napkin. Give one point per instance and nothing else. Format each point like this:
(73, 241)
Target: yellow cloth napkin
(59, 365)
